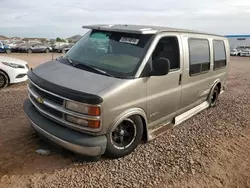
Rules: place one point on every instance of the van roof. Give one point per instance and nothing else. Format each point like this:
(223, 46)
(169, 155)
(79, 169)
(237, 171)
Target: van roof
(141, 29)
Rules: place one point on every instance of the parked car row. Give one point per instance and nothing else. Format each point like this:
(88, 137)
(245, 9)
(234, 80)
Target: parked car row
(30, 48)
(21, 46)
(240, 52)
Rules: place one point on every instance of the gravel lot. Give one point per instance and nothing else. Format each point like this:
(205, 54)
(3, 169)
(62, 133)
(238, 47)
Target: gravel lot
(211, 149)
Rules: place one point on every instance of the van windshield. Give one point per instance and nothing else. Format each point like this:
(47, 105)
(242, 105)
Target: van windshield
(116, 53)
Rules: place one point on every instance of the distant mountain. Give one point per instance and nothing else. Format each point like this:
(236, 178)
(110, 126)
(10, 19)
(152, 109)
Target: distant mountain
(3, 37)
(74, 38)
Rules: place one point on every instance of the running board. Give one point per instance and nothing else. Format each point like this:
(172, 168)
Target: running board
(178, 120)
(186, 115)
(159, 130)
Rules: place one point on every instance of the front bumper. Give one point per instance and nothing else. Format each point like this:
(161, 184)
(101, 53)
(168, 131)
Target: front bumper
(18, 80)
(56, 50)
(14, 49)
(14, 75)
(69, 139)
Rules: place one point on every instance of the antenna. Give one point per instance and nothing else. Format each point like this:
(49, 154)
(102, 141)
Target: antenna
(52, 46)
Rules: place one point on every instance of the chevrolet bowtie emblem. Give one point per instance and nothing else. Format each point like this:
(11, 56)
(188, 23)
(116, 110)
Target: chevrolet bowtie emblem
(39, 100)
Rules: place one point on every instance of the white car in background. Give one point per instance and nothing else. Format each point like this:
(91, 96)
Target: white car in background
(245, 52)
(234, 52)
(12, 70)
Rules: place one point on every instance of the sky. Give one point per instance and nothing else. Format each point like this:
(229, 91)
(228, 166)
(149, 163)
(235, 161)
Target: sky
(57, 18)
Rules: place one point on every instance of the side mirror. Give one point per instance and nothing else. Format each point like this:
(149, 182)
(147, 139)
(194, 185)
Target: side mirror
(161, 67)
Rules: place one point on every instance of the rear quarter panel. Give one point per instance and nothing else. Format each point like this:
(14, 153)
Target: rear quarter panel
(196, 88)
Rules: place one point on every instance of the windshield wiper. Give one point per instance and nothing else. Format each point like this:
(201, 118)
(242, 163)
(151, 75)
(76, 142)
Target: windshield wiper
(88, 66)
(96, 69)
(70, 61)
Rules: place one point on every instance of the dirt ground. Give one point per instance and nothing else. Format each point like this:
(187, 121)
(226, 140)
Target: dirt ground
(211, 149)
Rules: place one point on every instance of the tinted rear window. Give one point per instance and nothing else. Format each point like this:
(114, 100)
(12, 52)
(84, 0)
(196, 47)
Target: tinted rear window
(219, 54)
(199, 56)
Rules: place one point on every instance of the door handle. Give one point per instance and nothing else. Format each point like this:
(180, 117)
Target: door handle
(180, 78)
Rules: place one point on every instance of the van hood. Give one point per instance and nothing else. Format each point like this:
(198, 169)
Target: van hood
(67, 81)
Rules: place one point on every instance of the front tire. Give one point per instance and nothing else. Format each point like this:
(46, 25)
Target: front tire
(8, 51)
(47, 50)
(4, 80)
(125, 138)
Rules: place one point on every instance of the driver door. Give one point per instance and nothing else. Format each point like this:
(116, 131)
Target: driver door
(164, 92)
(35, 48)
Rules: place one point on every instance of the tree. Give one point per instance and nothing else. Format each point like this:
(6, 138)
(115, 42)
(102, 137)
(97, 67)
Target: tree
(58, 39)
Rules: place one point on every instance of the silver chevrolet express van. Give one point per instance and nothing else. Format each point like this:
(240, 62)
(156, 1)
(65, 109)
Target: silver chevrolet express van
(120, 85)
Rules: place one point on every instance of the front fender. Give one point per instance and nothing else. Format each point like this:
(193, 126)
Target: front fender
(126, 114)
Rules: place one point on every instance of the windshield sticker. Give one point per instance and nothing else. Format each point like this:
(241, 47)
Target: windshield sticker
(129, 40)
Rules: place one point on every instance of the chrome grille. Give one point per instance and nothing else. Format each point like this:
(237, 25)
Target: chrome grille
(48, 109)
(52, 106)
(48, 96)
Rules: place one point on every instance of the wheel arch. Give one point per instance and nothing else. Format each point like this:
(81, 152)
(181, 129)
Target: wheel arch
(132, 112)
(216, 83)
(6, 74)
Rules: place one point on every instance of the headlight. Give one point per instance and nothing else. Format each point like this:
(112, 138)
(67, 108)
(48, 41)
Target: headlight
(84, 109)
(83, 122)
(13, 65)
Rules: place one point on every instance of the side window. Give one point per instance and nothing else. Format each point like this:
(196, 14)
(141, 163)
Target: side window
(199, 56)
(168, 47)
(220, 59)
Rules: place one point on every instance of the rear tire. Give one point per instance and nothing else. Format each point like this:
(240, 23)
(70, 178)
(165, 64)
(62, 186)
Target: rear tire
(213, 98)
(4, 80)
(125, 138)
(63, 51)
(47, 50)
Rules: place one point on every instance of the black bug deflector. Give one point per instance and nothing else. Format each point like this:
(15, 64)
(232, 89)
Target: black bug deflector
(64, 92)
